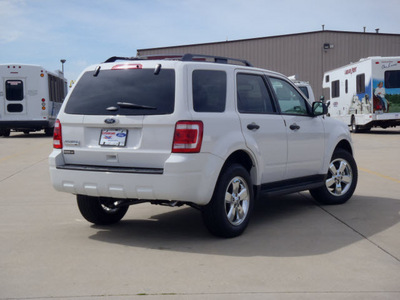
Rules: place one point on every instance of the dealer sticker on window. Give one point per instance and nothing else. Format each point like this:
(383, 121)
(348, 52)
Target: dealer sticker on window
(113, 137)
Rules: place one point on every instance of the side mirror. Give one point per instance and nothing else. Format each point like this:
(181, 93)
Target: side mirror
(319, 109)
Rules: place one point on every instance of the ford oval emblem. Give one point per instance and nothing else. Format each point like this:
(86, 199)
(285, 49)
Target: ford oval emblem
(110, 121)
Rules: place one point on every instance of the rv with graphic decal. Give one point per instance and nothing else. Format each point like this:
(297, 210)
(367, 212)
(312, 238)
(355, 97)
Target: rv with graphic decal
(365, 94)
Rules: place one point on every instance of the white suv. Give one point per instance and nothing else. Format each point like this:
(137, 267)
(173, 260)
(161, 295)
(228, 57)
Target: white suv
(210, 132)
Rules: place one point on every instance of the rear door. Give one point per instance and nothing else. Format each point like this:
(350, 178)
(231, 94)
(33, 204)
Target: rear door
(14, 96)
(120, 117)
(263, 128)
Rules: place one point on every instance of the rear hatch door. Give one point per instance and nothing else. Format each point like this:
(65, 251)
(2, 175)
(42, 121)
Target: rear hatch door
(120, 116)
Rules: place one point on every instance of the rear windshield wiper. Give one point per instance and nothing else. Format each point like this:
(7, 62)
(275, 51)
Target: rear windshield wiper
(134, 106)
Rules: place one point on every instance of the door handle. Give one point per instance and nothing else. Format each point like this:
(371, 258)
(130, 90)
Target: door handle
(253, 126)
(294, 127)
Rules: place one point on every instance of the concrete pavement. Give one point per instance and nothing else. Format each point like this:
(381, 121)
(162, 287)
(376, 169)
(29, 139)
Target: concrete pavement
(292, 249)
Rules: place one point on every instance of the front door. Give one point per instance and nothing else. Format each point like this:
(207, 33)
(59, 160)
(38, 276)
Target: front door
(305, 133)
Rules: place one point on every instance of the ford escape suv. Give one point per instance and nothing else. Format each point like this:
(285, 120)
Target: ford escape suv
(210, 132)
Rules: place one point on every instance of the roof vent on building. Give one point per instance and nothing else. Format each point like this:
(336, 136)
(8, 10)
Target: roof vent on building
(377, 30)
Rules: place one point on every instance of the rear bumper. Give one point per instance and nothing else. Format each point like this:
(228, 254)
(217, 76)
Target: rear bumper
(186, 178)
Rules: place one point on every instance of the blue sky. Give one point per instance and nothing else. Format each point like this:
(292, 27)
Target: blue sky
(86, 32)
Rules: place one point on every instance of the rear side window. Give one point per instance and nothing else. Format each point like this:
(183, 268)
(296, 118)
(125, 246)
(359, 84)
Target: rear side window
(14, 90)
(124, 92)
(209, 90)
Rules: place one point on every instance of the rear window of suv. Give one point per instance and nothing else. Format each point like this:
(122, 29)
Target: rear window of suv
(124, 92)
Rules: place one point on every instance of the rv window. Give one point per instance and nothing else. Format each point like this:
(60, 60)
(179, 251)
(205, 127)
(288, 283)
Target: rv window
(327, 78)
(392, 79)
(14, 90)
(360, 83)
(15, 108)
(346, 86)
(335, 89)
(305, 91)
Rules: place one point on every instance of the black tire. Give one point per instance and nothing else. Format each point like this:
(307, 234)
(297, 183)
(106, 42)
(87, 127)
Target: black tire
(353, 127)
(100, 211)
(49, 131)
(229, 216)
(341, 180)
(6, 132)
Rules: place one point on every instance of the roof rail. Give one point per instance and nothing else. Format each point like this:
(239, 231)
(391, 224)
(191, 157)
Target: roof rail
(185, 57)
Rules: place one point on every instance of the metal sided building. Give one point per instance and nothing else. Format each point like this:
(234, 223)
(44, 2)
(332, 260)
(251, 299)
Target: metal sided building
(307, 55)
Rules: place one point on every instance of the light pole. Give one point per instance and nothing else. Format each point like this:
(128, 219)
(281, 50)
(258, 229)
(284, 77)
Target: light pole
(62, 64)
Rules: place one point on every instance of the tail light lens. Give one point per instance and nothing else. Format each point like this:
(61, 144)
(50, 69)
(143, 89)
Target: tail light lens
(188, 137)
(57, 136)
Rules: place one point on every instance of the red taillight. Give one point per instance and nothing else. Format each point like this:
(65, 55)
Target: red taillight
(57, 136)
(188, 137)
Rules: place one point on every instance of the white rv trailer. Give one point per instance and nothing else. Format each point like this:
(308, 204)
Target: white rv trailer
(365, 94)
(30, 98)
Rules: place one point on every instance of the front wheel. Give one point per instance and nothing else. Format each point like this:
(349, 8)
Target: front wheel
(99, 210)
(341, 180)
(228, 213)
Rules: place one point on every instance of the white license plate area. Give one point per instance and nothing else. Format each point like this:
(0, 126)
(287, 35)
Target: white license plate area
(113, 137)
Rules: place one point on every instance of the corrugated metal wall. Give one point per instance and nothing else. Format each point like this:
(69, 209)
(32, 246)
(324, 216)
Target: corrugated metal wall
(301, 54)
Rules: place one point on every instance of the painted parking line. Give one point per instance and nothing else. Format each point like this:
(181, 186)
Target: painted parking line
(379, 174)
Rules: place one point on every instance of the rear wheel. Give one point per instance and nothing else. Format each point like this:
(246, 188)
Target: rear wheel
(228, 213)
(100, 210)
(341, 180)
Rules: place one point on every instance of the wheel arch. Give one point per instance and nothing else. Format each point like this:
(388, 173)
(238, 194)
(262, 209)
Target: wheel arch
(245, 159)
(344, 145)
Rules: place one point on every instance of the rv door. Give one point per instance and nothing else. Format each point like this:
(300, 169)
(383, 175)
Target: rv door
(14, 96)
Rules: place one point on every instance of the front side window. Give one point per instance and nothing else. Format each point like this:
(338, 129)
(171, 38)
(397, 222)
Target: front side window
(289, 99)
(253, 96)
(209, 90)
(14, 90)
(124, 92)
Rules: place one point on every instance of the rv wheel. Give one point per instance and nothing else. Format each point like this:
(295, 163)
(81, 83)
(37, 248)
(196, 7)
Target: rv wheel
(354, 127)
(6, 132)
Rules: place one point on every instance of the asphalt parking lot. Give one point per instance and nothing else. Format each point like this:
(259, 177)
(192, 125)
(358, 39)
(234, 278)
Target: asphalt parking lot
(292, 249)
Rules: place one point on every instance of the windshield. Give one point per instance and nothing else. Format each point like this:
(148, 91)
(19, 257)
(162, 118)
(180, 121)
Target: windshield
(124, 92)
